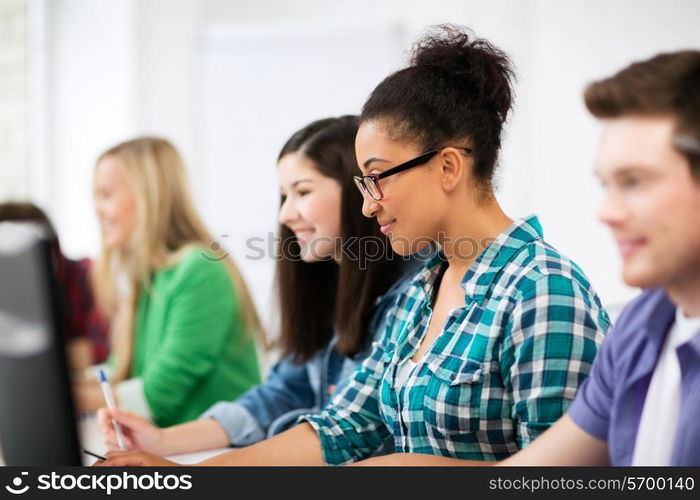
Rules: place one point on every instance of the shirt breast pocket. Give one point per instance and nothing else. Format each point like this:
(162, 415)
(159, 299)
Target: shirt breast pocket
(453, 392)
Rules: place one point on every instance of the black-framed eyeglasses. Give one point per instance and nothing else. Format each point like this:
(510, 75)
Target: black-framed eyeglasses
(369, 184)
(687, 144)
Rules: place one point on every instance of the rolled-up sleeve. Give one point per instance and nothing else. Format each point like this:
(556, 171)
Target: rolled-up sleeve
(591, 408)
(239, 424)
(351, 426)
(548, 351)
(247, 420)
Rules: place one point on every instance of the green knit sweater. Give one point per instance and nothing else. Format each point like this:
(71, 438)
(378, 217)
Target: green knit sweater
(189, 347)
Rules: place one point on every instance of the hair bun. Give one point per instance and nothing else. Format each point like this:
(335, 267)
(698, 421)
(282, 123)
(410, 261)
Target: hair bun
(481, 68)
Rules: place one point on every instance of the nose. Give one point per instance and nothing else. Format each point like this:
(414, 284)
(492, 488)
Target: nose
(287, 212)
(370, 206)
(612, 211)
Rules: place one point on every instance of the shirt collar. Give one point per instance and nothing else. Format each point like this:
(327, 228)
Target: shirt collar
(481, 274)
(652, 320)
(425, 279)
(657, 317)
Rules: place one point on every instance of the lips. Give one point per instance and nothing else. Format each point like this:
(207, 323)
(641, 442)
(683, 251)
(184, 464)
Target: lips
(302, 233)
(629, 246)
(385, 226)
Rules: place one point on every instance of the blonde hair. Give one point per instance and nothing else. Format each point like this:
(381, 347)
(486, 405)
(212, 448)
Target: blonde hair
(167, 227)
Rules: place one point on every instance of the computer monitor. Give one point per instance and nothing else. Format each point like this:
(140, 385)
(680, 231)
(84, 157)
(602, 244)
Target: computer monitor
(37, 418)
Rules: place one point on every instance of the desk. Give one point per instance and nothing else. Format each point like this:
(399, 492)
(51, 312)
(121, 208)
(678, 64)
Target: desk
(91, 438)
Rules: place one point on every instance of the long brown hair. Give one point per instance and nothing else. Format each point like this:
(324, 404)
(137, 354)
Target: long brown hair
(316, 297)
(167, 227)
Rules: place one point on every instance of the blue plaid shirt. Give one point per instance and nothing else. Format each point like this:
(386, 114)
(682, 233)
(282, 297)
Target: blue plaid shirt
(506, 366)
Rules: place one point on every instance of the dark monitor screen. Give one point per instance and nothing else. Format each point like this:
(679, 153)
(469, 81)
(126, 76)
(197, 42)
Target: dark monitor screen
(37, 418)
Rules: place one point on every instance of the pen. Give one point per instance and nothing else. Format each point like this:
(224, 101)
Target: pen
(109, 398)
(98, 457)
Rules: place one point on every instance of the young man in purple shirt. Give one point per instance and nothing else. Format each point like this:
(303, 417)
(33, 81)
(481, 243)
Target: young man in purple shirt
(641, 403)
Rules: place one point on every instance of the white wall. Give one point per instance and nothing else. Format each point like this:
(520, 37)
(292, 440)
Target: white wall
(571, 44)
(13, 98)
(258, 83)
(86, 101)
(124, 67)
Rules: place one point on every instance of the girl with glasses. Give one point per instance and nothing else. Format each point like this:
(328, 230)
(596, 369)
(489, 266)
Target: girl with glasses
(332, 299)
(490, 340)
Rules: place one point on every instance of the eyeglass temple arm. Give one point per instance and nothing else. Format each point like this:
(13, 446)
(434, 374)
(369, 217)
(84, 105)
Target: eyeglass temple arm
(409, 164)
(687, 144)
(412, 163)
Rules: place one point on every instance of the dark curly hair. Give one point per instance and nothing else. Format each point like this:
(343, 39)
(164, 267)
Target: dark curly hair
(457, 88)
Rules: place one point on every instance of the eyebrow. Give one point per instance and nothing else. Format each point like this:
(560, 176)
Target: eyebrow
(301, 180)
(371, 160)
(627, 169)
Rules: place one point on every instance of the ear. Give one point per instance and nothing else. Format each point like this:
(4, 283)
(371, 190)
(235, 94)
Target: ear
(455, 166)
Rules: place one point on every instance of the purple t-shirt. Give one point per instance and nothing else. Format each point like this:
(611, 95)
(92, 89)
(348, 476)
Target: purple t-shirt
(610, 401)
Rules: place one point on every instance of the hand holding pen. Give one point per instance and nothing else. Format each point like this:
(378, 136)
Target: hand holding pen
(139, 432)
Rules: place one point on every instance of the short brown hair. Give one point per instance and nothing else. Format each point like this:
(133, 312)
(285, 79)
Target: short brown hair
(687, 138)
(665, 85)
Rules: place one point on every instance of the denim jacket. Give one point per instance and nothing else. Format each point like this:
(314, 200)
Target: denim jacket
(294, 389)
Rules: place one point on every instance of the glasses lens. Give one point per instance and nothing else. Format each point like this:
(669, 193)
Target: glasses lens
(367, 186)
(372, 188)
(359, 184)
